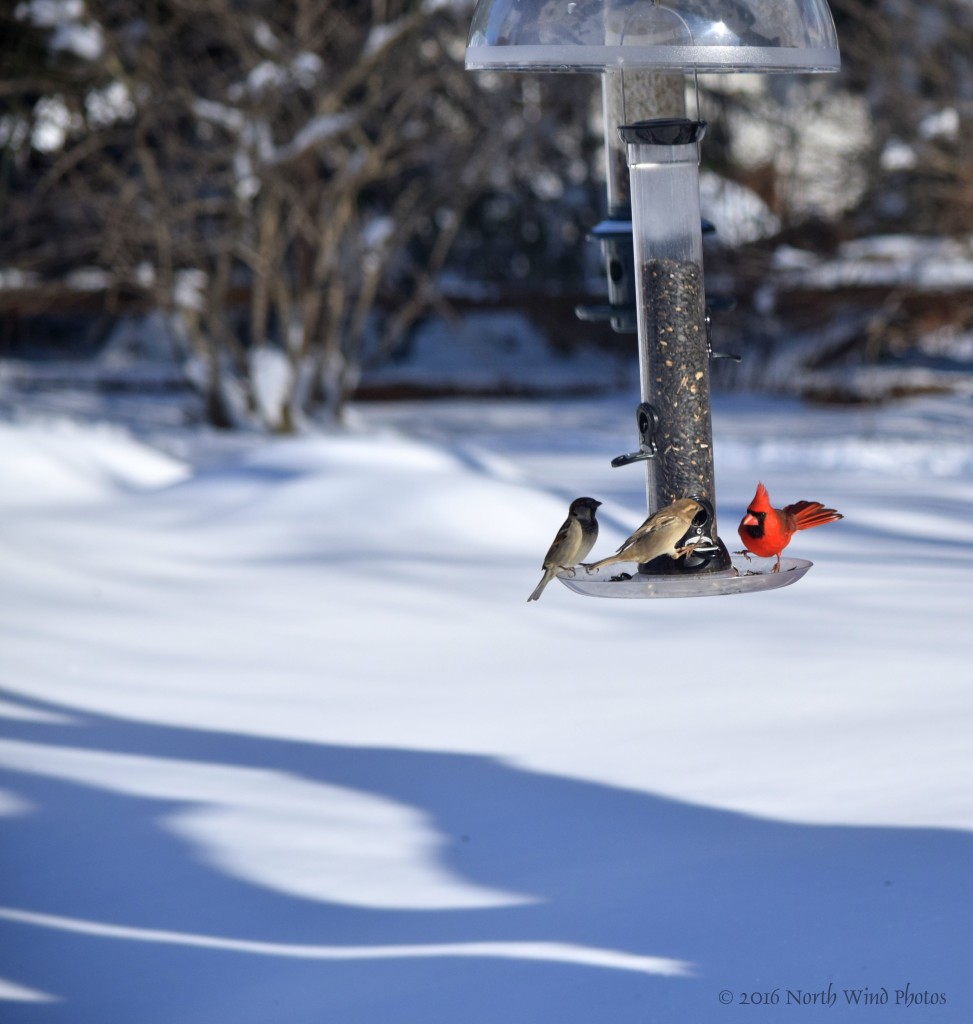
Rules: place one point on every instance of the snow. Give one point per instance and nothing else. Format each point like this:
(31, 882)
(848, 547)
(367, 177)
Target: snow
(84, 41)
(52, 122)
(65, 18)
(944, 124)
(383, 35)
(318, 130)
(17, 993)
(273, 376)
(282, 739)
(189, 291)
(497, 349)
(302, 70)
(106, 106)
(13, 278)
(49, 13)
(266, 75)
(888, 261)
(55, 462)
(256, 134)
(88, 279)
(219, 113)
(898, 156)
(376, 232)
(741, 214)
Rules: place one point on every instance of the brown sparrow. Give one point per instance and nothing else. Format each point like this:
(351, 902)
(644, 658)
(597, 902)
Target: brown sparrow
(658, 535)
(574, 540)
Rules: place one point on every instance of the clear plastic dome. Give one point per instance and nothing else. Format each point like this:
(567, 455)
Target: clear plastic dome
(673, 35)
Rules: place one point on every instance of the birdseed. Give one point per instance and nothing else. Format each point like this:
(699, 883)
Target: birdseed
(674, 320)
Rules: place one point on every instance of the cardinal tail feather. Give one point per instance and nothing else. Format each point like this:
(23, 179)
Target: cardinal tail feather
(812, 513)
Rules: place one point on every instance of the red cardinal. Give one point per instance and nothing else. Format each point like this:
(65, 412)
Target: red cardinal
(766, 530)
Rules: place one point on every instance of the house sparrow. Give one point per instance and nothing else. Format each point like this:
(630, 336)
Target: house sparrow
(766, 530)
(658, 535)
(574, 540)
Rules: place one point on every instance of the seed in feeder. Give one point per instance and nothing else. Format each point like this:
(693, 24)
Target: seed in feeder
(672, 315)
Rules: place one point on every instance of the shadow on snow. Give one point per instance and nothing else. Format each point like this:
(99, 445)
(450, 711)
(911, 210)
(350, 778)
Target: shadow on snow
(747, 904)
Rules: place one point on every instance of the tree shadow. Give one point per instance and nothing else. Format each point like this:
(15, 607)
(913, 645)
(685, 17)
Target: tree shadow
(750, 905)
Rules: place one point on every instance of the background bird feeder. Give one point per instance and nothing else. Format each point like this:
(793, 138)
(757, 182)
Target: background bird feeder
(643, 50)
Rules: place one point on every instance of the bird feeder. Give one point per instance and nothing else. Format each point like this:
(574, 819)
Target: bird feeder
(652, 239)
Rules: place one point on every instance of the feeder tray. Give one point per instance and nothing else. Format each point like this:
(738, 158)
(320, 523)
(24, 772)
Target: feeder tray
(742, 577)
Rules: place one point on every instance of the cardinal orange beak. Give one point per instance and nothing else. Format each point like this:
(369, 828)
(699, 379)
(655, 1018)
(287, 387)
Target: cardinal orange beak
(749, 520)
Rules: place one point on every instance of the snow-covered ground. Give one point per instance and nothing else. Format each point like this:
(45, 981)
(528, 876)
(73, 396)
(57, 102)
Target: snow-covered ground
(283, 741)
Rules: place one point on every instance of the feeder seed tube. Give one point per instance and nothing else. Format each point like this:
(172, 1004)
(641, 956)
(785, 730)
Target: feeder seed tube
(663, 160)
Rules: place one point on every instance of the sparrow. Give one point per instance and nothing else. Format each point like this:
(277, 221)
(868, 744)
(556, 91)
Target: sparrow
(766, 530)
(658, 535)
(574, 540)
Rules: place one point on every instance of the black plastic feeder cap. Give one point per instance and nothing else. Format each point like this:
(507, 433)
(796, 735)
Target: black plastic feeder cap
(664, 131)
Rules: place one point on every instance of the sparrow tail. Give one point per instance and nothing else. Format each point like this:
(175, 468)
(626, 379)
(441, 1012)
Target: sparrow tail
(812, 513)
(539, 589)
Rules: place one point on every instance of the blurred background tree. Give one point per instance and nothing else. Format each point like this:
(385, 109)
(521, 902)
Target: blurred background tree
(284, 176)
(296, 182)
